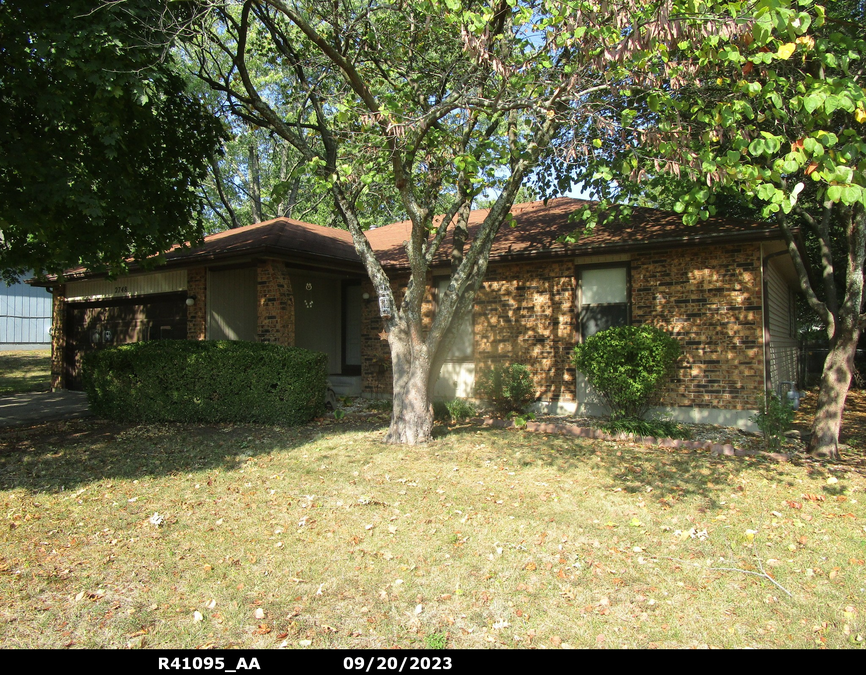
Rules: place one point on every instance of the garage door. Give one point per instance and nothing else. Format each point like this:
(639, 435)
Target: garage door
(99, 324)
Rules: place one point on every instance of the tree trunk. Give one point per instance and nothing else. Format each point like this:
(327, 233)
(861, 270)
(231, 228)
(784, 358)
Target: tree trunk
(412, 412)
(835, 380)
(255, 182)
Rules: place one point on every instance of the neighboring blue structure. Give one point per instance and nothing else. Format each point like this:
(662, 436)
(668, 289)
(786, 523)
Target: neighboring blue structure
(25, 317)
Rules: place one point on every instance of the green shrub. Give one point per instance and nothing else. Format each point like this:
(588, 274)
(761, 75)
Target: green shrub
(454, 410)
(521, 419)
(460, 409)
(509, 388)
(627, 366)
(213, 381)
(774, 419)
(656, 428)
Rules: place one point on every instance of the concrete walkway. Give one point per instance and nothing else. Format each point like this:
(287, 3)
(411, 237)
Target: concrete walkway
(22, 409)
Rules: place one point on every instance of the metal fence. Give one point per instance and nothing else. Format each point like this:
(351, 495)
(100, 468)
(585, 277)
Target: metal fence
(25, 317)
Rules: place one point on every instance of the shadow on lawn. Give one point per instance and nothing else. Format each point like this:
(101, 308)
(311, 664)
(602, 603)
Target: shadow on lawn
(66, 455)
(58, 456)
(25, 371)
(664, 475)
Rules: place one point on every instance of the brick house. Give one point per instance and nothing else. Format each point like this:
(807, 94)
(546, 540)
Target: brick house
(724, 288)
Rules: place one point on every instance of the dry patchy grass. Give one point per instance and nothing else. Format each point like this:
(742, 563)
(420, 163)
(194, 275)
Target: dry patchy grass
(24, 371)
(325, 537)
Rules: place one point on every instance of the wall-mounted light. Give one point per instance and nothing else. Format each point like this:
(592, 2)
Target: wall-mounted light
(190, 301)
(365, 296)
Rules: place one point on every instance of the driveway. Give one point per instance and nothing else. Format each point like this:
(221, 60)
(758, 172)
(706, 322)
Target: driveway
(22, 409)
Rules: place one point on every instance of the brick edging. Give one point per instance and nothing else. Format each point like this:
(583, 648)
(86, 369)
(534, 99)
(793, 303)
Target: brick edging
(589, 432)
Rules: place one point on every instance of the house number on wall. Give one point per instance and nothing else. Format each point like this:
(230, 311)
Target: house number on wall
(121, 290)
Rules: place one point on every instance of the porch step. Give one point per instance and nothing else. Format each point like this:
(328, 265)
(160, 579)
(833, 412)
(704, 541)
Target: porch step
(345, 385)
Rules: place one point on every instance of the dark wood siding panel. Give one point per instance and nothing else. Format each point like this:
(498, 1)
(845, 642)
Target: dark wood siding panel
(231, 304)
(100, 324)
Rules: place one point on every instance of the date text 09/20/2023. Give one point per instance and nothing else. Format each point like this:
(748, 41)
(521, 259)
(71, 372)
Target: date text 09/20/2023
(393, 663)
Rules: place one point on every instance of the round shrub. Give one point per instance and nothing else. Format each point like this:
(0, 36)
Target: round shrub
(627, 366)
(510, 388)
(207, 381)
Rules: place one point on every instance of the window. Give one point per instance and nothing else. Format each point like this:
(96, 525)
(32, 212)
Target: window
(602, 298)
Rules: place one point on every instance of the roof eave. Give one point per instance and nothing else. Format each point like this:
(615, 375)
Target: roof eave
(620, 247)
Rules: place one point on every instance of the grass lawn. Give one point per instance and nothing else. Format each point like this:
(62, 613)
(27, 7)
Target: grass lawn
(23, 371)
(322, 536)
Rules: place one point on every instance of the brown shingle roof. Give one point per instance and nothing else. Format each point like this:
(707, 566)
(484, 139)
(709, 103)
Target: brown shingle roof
(538, 225)
(279, 236)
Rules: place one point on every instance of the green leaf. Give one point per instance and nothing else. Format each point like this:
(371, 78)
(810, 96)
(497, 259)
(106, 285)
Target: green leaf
(757, 147)
(653, 102)
(851, 194)
(812, 102)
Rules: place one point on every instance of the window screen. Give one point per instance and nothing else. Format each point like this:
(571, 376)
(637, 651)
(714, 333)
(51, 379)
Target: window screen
(603, 299)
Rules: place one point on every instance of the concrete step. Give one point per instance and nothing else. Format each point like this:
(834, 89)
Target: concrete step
(345, 385)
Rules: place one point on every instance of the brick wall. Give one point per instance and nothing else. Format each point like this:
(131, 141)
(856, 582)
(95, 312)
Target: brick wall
(196, 315)
(58, 338)
(524, 313)
(276, 304)
(709, 298)
(375, 357)
(376, 375)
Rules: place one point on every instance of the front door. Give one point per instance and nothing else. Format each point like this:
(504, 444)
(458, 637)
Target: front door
(352, 301)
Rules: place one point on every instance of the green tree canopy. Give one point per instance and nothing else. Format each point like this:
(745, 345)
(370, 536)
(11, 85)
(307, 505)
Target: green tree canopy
(435, 102)
(101, 148)
(772, 108)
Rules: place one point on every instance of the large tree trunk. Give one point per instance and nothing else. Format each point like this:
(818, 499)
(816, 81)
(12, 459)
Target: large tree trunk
(843, 322)
(835, 380)
(412, 412)
(255, 180)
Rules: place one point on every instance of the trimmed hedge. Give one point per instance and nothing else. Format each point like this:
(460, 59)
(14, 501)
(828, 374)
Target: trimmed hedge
(627, 366)
(212, 381)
